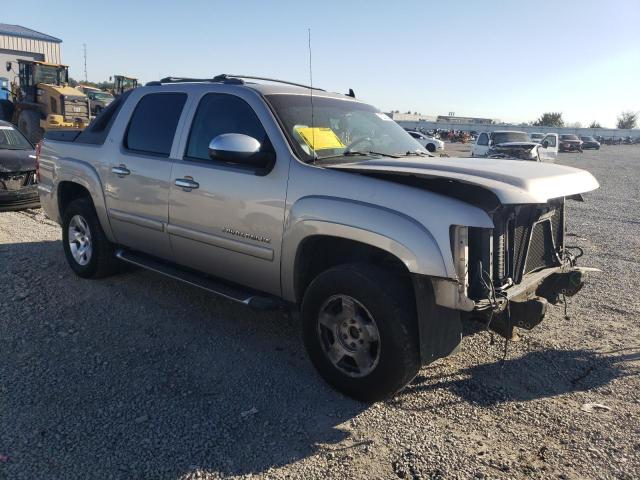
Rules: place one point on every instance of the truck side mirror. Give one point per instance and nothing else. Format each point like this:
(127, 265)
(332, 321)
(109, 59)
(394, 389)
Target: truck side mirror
(8, 66)
(240, 149)
(545, 143)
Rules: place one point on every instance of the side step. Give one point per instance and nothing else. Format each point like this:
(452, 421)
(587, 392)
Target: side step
(237, 294)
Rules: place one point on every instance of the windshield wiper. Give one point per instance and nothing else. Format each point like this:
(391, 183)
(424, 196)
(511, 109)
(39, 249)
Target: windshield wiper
(417, 153)
(357, 153)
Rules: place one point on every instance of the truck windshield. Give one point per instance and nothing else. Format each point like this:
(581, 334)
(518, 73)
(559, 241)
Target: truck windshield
(504, 137)
(11, 139)
(339, 128)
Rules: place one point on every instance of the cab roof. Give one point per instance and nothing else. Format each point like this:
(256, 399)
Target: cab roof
(262, 85)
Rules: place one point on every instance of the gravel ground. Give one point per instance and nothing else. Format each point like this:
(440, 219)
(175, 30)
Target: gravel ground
(138, 376)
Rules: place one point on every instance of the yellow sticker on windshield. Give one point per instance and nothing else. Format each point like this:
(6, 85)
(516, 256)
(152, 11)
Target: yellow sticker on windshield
(320, 138)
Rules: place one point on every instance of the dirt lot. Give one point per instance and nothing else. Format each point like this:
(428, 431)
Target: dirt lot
(138, 376)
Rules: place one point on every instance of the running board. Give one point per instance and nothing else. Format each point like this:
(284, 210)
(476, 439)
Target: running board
(246, 297)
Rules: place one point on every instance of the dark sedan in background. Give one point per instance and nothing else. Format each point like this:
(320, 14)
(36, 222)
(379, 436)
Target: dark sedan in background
(18, 189)
(570, 143)
(590, 142)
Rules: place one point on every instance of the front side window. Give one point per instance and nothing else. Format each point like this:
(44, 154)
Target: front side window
(337, 128)
(483, 139)
(220, 113)
(153, 123)
(551, 139)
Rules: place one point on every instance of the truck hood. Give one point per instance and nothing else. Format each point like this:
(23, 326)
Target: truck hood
(512, 181)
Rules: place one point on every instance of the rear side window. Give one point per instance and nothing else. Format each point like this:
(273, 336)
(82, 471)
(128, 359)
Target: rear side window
(220, 113)
(153, 123)
(97, 132)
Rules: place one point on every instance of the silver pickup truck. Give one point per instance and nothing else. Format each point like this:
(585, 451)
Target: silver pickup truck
(273, 194)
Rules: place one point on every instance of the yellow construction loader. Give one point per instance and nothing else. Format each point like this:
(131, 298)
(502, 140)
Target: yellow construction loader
(44, 100)
(122, 83)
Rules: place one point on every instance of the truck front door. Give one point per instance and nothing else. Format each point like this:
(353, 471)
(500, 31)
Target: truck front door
(229, 221)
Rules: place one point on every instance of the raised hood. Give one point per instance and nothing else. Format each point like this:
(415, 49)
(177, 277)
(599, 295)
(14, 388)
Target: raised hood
(512, 181)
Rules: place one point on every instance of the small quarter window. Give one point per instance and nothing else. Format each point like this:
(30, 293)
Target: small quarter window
(153, 123)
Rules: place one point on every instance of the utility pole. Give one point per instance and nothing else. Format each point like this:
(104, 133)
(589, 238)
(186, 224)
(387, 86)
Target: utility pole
(84, 47)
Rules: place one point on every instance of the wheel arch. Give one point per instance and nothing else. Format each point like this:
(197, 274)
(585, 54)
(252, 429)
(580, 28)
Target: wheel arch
(78, 181)
(348, 229)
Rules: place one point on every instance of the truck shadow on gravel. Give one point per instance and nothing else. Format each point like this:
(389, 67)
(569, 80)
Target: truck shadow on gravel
(535, 375)
(139, 376)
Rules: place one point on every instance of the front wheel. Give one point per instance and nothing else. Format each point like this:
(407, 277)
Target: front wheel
(360, 331)
(431, 147)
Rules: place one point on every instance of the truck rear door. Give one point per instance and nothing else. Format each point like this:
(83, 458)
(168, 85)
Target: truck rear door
(138, 181)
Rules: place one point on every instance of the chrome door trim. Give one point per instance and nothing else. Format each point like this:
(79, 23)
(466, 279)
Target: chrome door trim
(137, 220)
(257, 251)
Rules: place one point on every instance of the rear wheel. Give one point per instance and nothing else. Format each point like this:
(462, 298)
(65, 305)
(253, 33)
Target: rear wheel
(6, 110)
(88, 251)
(360, 331)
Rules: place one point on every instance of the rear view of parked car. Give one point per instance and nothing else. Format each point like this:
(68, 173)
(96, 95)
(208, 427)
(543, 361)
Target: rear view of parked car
(430, 143)
(18, 189)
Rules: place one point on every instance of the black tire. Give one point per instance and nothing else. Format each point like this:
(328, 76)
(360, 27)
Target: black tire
(29, 125)
(389, 301)
(101, 261)
(431, 147)
(6, 110)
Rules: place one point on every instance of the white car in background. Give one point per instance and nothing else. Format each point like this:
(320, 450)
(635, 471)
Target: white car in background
(512, 144)
(430, 143)
(537, 137)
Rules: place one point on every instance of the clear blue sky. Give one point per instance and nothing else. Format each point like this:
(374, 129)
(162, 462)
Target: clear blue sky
(499, 59)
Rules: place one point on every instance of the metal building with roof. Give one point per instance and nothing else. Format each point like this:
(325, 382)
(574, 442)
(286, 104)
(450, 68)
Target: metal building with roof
(17, 42)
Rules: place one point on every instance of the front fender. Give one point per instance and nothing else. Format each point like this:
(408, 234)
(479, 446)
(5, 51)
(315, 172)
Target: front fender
(380, 227)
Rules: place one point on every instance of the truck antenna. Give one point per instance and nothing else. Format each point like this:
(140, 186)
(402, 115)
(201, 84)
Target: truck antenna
(84, 47)
(313, 132)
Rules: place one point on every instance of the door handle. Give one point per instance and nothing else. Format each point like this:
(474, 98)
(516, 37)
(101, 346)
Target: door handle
(186, 183)
(121, 170)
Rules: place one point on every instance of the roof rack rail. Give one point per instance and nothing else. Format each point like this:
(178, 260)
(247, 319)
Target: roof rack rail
(227, 78)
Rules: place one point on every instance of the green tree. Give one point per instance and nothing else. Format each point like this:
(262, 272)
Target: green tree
(550, 119)
(595, 124)
(627, 120)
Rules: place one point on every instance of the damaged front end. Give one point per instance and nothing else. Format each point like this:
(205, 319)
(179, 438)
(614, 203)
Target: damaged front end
(524, 151)
(509, 274)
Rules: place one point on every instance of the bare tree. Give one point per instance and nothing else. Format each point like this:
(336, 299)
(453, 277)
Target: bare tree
(627, 120)
(550, 119)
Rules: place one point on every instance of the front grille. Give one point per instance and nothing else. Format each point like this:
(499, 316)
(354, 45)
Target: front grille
(541, 251)
(75, 108)
(524, 239)
(16, 180)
